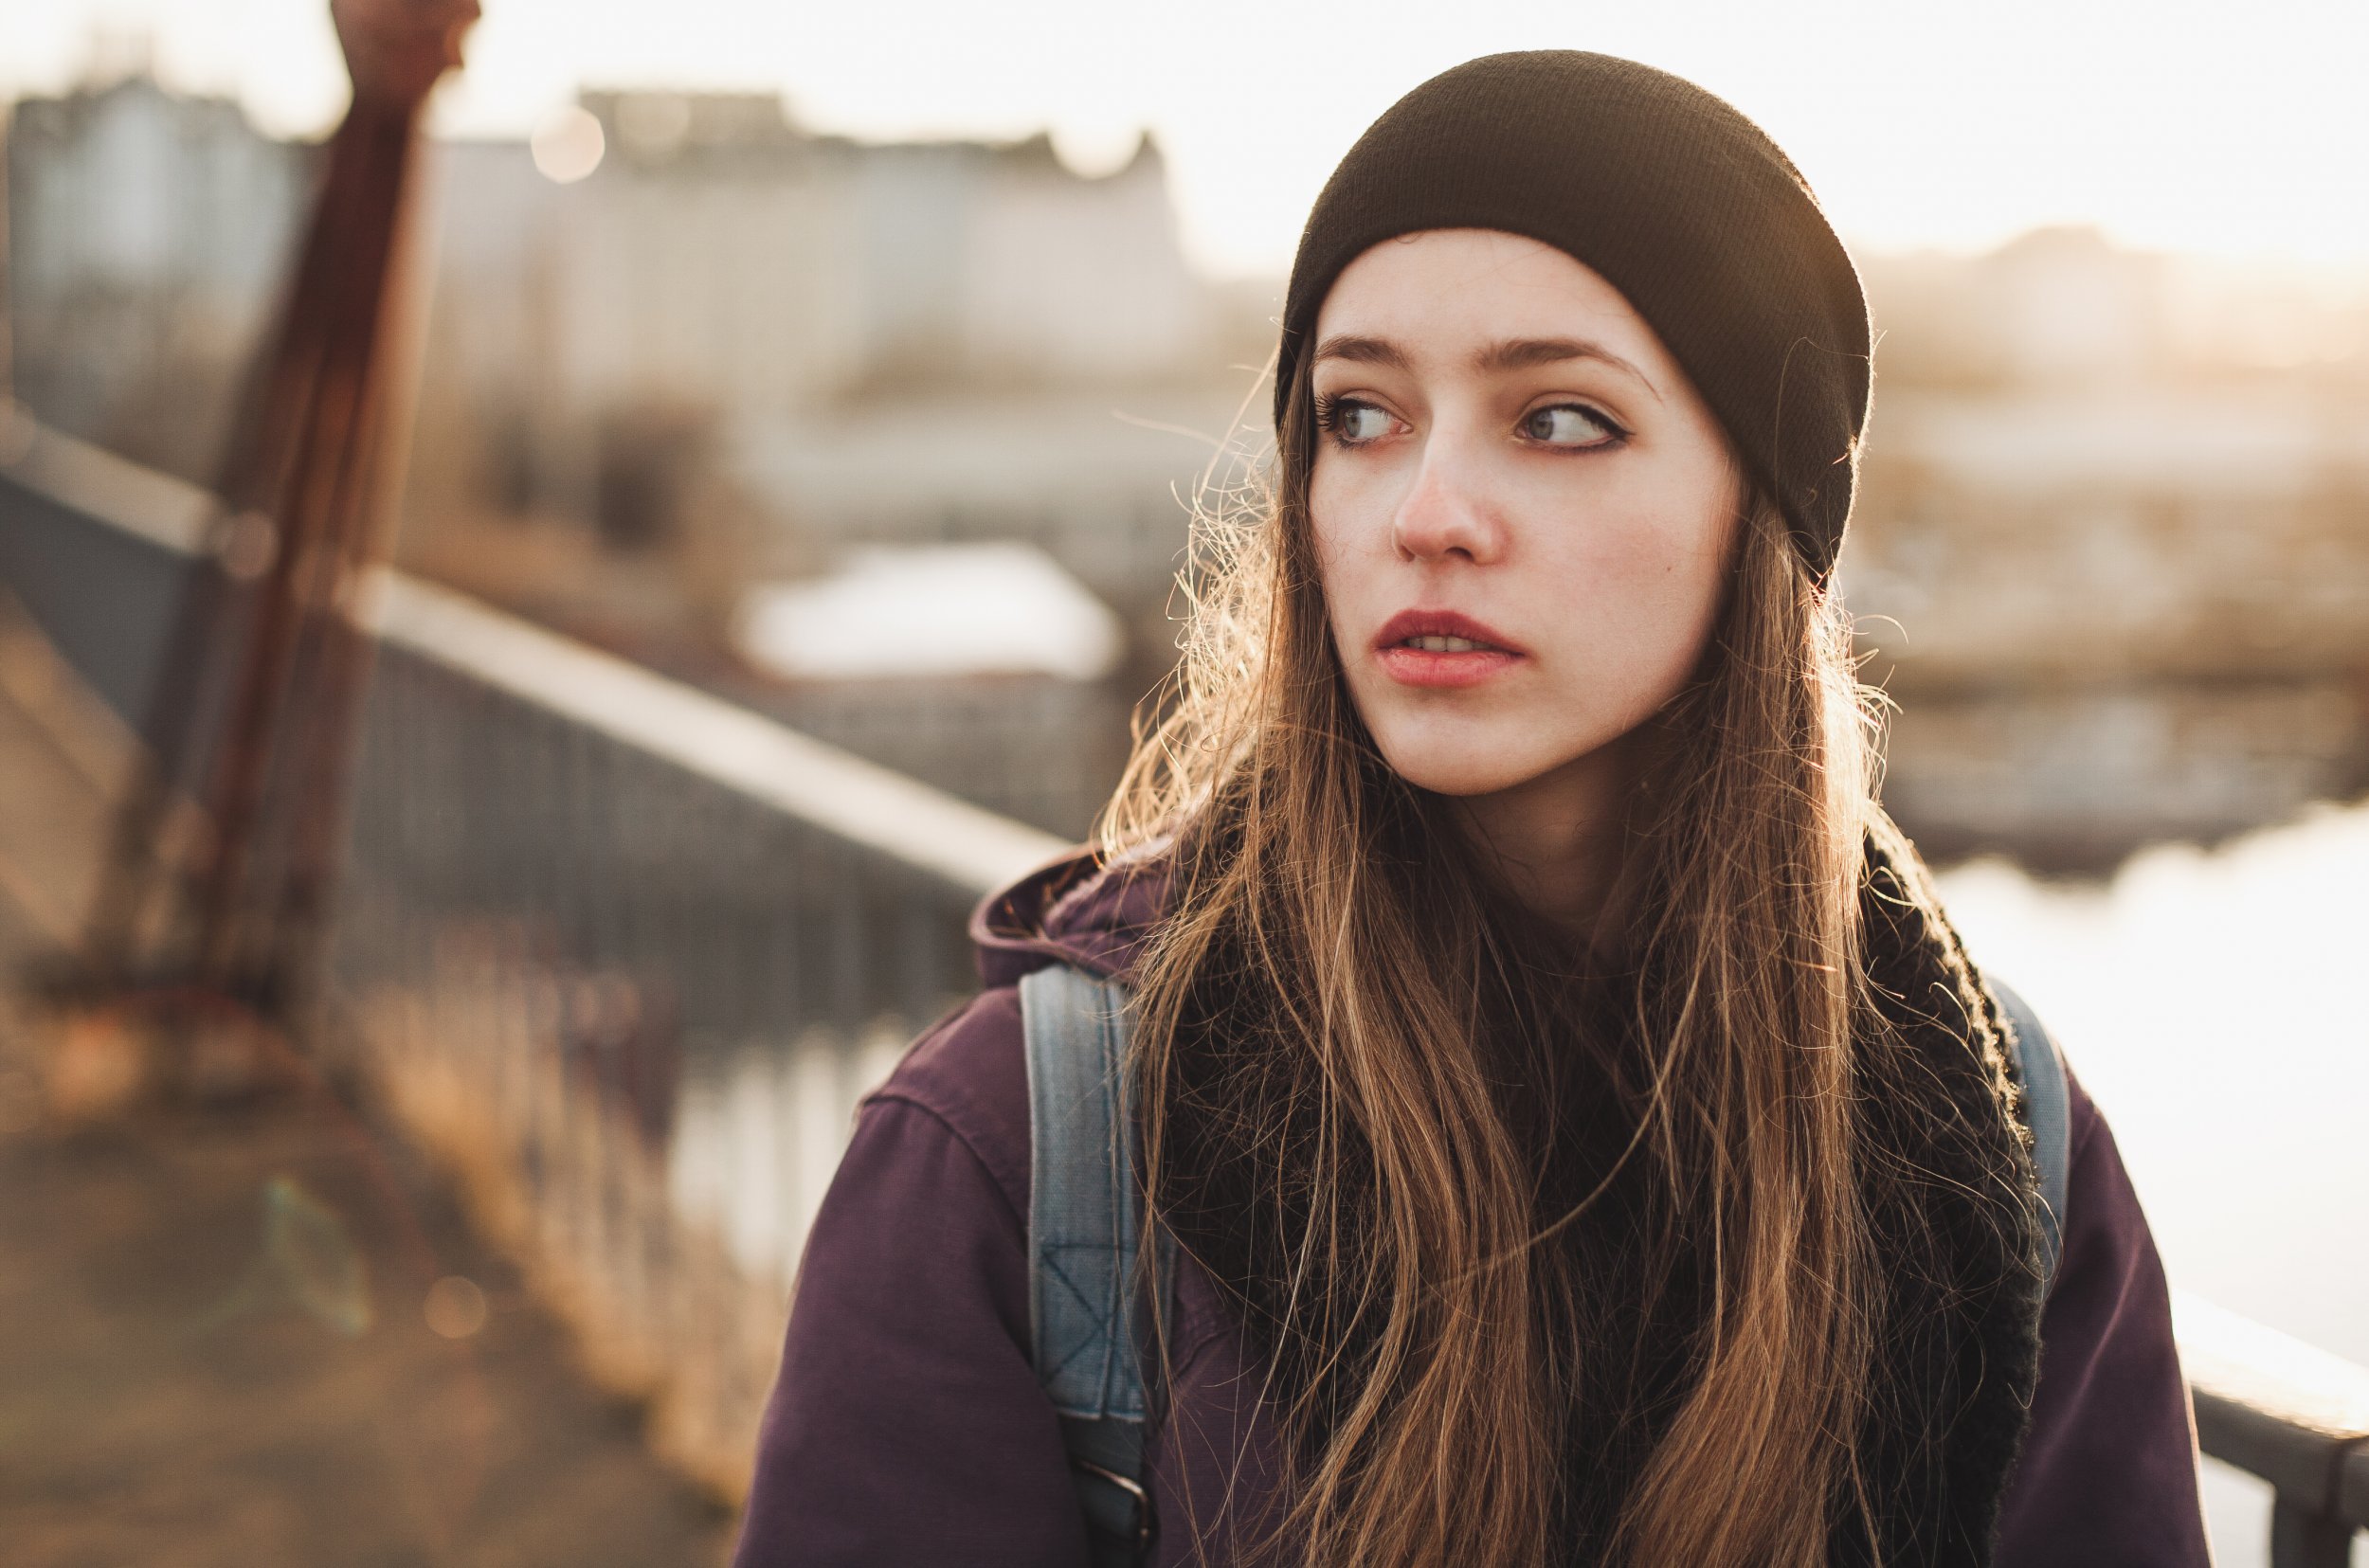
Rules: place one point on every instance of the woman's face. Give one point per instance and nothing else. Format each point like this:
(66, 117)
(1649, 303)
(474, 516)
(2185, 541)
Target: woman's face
(1522, 509)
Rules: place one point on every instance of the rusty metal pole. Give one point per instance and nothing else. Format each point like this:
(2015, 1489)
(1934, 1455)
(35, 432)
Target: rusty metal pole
(335, 652)
(304, 473)
(233, 952)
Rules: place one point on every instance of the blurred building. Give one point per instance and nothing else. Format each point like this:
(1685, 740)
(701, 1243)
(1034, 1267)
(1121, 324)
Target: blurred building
(677, 344)
(147, 234)
(715, 294)
(2112, 549)
(2065, 308)
(816, 323)
(744, 350)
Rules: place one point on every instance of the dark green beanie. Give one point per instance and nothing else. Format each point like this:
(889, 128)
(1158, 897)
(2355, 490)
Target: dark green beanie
(1682, 204)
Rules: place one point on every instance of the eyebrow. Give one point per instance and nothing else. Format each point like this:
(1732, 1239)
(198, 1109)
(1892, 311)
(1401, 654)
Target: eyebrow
(1513, 353)
(1361, 351)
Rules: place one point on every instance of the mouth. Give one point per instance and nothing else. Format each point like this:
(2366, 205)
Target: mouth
(1442, 648)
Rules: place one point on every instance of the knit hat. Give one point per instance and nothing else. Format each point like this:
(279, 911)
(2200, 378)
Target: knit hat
(1676, 199)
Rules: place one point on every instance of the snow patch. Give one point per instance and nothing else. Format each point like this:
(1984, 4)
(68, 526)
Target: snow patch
(930, 610)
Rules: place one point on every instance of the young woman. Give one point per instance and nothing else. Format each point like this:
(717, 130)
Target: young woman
(1581, 1136)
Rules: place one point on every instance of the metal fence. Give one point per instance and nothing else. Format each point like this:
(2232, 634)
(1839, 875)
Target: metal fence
(2290, 1414)
(623, 956)
(627, 956)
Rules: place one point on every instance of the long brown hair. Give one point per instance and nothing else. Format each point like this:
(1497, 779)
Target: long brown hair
(1324, 1028)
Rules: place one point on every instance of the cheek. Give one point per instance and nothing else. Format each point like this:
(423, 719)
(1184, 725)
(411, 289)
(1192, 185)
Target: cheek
(1348, 531)
(1640, 621)
(1627, 604)
(1652, 589)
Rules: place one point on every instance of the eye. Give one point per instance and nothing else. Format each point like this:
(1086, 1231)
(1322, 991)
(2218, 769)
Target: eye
(1350, 422)
(1570, 426)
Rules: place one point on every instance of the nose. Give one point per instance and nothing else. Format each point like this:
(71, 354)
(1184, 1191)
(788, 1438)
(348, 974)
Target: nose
(1446, 514)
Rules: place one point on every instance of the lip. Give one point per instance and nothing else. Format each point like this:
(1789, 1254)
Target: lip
(1421, 667)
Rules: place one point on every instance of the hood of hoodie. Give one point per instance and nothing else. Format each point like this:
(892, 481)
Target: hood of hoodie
(1082, 910)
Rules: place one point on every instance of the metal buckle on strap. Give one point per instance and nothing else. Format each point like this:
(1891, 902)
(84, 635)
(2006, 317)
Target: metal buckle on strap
(1140, 1533)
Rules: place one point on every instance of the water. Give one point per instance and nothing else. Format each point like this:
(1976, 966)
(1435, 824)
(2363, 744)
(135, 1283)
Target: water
(2209, 1002)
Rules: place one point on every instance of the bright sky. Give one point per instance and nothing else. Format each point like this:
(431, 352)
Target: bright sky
(2235, 130)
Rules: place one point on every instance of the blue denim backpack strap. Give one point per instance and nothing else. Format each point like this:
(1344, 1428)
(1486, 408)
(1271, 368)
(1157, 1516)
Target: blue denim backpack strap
(2040, 1066)
(1083, 1238)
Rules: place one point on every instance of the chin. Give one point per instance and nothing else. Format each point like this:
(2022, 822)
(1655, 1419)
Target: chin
(1462, 765)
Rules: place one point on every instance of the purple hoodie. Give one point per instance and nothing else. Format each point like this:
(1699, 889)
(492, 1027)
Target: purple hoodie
(908, 1427)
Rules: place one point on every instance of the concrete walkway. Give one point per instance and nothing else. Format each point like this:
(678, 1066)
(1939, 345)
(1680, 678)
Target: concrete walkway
(263, 1336)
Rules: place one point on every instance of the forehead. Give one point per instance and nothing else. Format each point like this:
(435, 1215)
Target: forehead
(1445, 287)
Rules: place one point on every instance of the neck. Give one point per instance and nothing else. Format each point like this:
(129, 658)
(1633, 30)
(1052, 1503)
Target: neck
(1556, 842)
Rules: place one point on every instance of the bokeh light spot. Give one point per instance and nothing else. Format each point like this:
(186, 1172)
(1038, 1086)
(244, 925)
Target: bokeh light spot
(567, 146)
(455, 1307)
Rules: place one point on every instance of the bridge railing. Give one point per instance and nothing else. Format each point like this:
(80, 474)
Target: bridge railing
(630, 955)
(625, 956)
(2289, 1413)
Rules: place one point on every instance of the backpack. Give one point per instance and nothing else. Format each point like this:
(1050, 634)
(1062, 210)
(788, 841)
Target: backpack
(1084, 1233)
